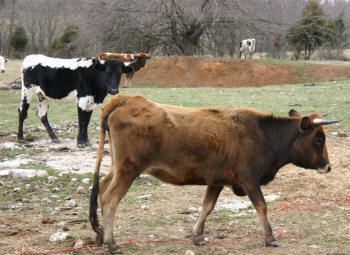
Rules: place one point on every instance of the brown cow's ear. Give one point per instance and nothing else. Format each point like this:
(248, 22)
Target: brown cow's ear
(293, 113)
(305, 124)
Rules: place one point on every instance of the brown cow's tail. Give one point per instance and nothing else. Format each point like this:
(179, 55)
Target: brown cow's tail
(115, 102)
(95, 188)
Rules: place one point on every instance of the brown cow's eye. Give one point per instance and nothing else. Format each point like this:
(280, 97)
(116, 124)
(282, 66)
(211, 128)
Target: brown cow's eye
(319, 141)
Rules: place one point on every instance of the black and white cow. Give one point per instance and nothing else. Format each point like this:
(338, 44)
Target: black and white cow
(88, 80)
(2, 64)
(247, 47)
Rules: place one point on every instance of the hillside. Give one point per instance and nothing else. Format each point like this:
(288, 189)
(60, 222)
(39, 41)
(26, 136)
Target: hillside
(178, 71)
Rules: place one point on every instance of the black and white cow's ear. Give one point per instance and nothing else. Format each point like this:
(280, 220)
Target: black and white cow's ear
(293, 113)
(127, 69)
(98, 65)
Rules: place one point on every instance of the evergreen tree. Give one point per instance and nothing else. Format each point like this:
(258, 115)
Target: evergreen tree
(338, 38)
(19, 40)
(310, 32)
(64, 45)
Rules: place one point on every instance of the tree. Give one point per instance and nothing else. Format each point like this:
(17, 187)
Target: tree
(64, 45)
(310, 32)
(338, 37)
(19, 40)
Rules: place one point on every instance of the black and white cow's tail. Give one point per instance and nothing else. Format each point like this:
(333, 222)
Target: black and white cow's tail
(95, 188)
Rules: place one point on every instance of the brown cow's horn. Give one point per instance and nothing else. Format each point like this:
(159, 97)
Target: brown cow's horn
(324, 122)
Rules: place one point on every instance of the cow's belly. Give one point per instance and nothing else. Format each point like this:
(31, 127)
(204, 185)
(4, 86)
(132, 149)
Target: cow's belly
(194, 176)
(175, 178)
(36, 90)
(86, 103)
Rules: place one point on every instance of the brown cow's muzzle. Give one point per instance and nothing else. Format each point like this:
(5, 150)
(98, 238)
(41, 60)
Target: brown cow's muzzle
(324, 170)
(2, 71)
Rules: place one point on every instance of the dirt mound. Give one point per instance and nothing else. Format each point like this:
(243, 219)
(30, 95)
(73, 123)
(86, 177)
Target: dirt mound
(178, 71)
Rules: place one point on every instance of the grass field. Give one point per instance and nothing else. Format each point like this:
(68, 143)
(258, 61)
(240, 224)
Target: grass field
(332, 98)
(311, 217)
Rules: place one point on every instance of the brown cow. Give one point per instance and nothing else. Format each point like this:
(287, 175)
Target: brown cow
(242, 149)
(135, 61)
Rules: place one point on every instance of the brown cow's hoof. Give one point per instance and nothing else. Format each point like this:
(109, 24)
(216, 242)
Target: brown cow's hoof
(112, 249)
(273, 243)
(199, 240)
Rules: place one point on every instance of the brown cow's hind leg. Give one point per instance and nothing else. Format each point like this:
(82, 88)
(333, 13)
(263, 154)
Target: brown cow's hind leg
(209, 202)
(111, 196)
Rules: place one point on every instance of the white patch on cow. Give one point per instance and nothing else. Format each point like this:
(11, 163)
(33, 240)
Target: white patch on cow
(71, 96)
(87, 103)
(33, 60)
(27, 94)
(43, 107)
(2, 64)
(129, 55)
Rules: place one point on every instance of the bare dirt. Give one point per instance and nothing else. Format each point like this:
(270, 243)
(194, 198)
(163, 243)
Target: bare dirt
(311, 214)
(178, 71)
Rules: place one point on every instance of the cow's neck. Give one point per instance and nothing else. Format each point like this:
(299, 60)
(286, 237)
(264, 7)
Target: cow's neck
(280, 133)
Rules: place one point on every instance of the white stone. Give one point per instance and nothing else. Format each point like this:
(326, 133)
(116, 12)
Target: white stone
(85, 180)
(22, 173)
(145, 197)
(9, 145)
(70, 203)
(81, 190)
(59, 236)
(14, 163)
(144, 207)
(55, 189)
(51, 178)
(78, 243)
(237, 204)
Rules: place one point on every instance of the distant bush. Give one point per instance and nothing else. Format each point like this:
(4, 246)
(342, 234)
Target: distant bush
(64, 46)
(19, 40)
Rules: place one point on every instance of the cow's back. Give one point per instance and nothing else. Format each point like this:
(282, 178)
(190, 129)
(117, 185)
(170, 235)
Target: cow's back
(195, 142)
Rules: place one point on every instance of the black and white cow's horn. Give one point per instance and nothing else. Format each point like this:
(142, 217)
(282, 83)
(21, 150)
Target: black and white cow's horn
(324, 122)
(324, 115)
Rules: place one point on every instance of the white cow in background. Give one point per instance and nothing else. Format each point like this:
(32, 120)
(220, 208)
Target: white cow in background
(247, 46)
(2, 64)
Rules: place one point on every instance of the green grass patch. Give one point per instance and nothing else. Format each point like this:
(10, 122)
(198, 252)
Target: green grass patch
(329, 97)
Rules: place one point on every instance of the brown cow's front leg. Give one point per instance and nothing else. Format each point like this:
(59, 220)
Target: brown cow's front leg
(209, 202)
(256, 196)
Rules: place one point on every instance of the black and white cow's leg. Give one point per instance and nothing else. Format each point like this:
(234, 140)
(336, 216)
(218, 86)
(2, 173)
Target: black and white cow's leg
(209, 202)
(84, 120)
(22, 115)
(43, 107)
